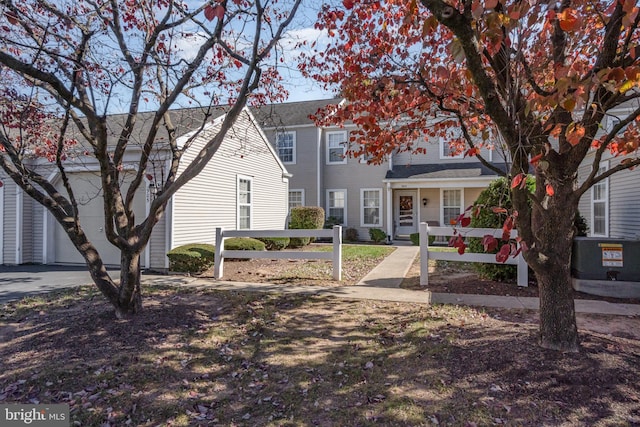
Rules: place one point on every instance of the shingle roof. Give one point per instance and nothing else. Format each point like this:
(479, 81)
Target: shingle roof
(441, 170)
(289, 113)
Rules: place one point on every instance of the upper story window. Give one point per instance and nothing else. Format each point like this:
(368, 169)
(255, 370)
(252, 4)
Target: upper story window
(448, 152)
(336, 147)
(286, 146)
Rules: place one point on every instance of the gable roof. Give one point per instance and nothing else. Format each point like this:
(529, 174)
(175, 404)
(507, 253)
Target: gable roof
(440, 170)
(290, 113)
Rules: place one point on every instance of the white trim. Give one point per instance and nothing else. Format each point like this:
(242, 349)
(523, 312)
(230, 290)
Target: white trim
(45, 231)
(2, 223)
(442, 190)
(335, 190)
(238, 204)
(302, 198)
(293, 147)
(605, 183)
(389, 205)
(169, 227)
(344, 147)
(362, 207)
(19, 219)
(406, 183)
(319, 167)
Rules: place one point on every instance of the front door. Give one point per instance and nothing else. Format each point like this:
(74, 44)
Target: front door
(405, 212)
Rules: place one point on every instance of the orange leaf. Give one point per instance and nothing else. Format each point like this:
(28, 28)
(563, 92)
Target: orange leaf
(211, 12)
(569, 20)
(574, 133)
(550, 190)
(535, 159)
(517, 180)
(490, 4)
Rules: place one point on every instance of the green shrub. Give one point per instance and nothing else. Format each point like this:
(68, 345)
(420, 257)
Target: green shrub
(377, 235)
(305, 218)
(191, 258)
(415, 239)
(275, 243)
(497, 194)
(351, 235)
(331, 222)
(581, 225)
(243, 244)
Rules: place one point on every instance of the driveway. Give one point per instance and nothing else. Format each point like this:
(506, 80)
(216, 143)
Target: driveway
(19, 281)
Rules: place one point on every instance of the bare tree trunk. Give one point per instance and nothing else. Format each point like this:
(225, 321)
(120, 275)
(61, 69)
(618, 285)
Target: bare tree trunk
(550, 259)
(130, 295)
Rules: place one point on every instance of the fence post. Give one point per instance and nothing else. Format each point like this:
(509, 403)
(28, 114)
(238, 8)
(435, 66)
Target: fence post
(523, 272)
(218, 267)
(423, 228)
(337, 252)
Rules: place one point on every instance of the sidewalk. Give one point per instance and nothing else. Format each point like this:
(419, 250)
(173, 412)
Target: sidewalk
(383, 283)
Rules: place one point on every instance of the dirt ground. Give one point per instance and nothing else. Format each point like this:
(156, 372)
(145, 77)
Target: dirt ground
(446, 277)
(207, 358)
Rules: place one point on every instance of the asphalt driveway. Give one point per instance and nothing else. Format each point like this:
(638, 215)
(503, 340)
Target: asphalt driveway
(19, 281)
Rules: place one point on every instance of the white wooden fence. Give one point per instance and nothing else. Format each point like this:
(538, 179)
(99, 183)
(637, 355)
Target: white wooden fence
(335, 255)
(426, 254)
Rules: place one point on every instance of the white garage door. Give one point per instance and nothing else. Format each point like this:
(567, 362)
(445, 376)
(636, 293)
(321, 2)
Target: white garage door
(86, 186)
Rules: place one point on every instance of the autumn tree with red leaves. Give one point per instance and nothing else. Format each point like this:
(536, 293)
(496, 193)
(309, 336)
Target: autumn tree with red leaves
(535, 77)
(66, 65)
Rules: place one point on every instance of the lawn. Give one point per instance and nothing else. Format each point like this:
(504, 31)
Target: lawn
(357, 261)
(198, 357)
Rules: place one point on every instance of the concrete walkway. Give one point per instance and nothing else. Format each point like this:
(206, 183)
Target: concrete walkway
(383, 283)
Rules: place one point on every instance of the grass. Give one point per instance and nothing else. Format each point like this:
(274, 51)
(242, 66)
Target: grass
(198, 357)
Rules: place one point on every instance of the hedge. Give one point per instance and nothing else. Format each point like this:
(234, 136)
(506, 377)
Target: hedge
(275, 243)
(191, 258)
(305, 218)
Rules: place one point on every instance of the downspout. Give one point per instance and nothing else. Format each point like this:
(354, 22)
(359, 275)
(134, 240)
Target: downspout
(19, 221)
(318, 174)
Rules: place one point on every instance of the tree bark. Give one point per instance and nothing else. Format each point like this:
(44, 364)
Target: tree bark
(130, 295)
(552, 224)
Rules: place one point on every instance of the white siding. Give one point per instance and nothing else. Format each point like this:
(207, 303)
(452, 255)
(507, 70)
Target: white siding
(9, 242)
(209, 200)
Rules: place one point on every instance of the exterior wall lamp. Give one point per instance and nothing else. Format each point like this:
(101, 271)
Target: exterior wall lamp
(425, 201)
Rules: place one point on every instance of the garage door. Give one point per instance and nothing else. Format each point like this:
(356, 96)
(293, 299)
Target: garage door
(86, 186)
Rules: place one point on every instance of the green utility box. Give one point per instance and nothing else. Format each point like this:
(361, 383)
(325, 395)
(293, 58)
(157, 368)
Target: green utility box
(607, 267)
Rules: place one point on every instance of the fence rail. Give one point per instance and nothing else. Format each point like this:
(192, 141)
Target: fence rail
(335, 255)
(426, 254)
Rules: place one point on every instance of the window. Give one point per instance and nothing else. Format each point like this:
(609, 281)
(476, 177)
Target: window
(244, 198)
(448, 152)
(451, 205)
(296, 198)
(336, 205)
(370, 201)
(600, 205)
(286, 146)
(336, 146)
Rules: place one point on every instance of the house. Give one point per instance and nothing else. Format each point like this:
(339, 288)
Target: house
(611, 206)
(245, 185)
(394, 196)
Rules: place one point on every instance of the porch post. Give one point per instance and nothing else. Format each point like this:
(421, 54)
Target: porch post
(423, 228)
(389, 206)
(218, 266)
